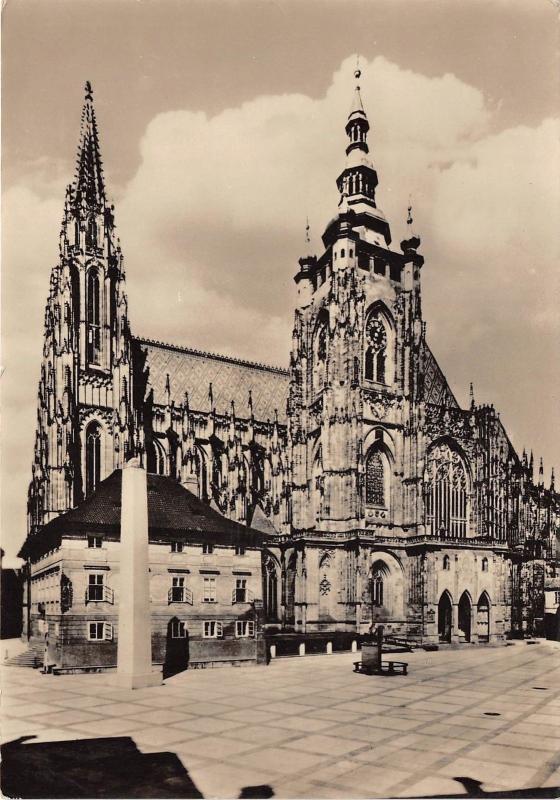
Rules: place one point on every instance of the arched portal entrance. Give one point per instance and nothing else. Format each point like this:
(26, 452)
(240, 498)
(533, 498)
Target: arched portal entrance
(465, 617)
(483, 618)
(445, 617)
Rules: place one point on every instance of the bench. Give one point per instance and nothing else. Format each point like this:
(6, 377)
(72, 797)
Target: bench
(387, 668)
(372, 659)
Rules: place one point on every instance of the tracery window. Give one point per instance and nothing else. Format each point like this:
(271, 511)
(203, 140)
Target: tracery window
(91, 233)
(446, 492)
(93, 456)
(375, 479)
(376, 350)
(93, 318)
(377, 589)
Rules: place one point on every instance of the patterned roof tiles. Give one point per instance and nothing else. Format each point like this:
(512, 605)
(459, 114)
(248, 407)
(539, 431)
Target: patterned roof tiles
(192, 371)
(436, 388)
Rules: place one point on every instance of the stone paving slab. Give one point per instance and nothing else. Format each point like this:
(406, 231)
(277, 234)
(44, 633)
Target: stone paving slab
(312, 728)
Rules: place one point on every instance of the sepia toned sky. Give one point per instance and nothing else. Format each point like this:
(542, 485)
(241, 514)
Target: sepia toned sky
(222, 128)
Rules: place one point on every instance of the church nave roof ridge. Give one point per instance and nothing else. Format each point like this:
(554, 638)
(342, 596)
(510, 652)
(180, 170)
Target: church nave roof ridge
(209, 354)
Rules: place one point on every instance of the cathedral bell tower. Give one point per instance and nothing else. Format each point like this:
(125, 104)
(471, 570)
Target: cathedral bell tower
(354, 361)
(84, 417)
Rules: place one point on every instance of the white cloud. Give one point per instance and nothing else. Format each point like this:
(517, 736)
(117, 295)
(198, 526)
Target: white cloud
(213, 222)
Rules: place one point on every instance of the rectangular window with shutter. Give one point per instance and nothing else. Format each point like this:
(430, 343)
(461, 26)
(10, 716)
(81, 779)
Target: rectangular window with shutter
(244, 629)
(100, 631)
(212, 629)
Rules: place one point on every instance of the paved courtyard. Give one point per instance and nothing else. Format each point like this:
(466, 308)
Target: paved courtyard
(310, 727)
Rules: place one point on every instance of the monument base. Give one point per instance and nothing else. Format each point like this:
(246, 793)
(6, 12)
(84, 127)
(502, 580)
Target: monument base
(137, 681)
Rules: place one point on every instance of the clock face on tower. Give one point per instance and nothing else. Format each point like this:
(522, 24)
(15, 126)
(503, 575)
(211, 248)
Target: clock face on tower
(376, 335)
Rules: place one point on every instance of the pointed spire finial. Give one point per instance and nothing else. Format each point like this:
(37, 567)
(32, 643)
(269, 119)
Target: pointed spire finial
(409, 218)
(307, 237)
(552, 488)
(357, 71)
(471, 393)
(89, 187)
(250, 402)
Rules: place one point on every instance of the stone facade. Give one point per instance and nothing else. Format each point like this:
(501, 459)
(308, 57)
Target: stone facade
(388, 502)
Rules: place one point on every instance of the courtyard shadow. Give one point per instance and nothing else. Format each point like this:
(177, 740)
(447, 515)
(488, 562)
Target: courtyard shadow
(109, 768)
(473, 788)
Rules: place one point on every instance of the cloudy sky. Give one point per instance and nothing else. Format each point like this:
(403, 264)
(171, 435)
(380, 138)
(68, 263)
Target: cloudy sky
(222, 128)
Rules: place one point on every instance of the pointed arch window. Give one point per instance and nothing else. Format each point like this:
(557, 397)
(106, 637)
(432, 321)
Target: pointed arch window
(93, 457)
(375, 367)
(156, 458)
(93, 318)
(91, 233)
(375, 479)
(320, 351)
(317, 486)
(446, 492)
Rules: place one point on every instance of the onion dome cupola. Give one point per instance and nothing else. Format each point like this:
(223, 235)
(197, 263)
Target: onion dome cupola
(358, 181)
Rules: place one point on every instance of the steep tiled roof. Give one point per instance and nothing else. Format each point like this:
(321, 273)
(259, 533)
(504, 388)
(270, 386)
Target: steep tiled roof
(436, 388)
(192, 371)
(174, 513)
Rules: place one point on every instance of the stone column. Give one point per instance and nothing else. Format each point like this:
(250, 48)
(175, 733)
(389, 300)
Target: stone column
(134, 653)
(455, 626)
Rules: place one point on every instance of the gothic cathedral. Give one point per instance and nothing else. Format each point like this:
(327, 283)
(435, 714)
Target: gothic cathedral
(385, 501)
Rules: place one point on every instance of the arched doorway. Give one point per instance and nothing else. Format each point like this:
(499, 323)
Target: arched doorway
(445, 617)
(483, 618)
(176, 648)
(465, 616)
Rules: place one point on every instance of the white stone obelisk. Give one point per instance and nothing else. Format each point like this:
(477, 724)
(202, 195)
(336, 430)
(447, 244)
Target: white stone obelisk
(134, 650)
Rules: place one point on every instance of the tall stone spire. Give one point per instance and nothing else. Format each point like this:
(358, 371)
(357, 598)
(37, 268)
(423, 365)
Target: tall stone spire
(89, 185)
(86, 347)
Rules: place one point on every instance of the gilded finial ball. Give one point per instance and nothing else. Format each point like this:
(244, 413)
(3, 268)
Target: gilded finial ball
(357, 73)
